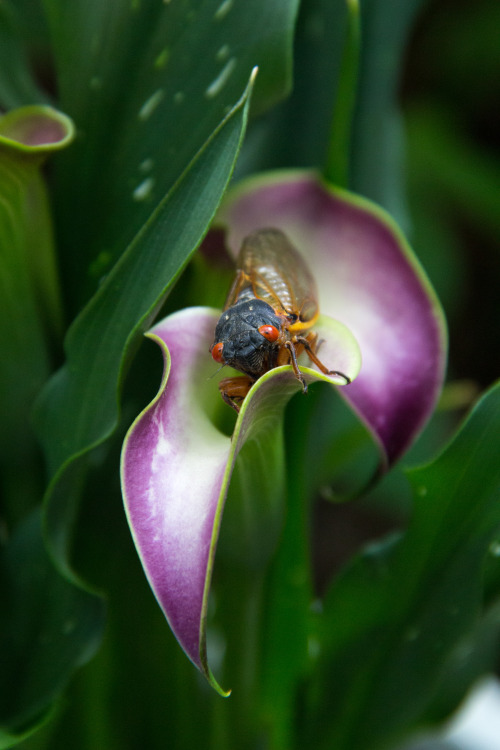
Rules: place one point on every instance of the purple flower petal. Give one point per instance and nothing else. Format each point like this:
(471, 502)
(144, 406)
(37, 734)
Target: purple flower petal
(368, 279)
(176, 465)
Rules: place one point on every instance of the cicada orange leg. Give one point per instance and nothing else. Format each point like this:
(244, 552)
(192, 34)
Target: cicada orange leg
(309, 344)
(290, 348)
(233, 390)
(310, 347)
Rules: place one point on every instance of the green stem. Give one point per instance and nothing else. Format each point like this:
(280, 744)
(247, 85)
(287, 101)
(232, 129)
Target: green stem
(289, 594)
(235, 718)
(337, 162)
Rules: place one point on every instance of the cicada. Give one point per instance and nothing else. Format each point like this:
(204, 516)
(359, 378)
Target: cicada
(269, 314)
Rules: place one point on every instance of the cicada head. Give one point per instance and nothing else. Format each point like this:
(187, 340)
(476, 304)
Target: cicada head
(248, 337)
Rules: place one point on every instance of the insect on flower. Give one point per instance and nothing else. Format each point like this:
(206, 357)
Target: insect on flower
(268, 316)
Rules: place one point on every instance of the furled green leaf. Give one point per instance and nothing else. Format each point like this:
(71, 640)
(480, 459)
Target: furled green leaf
(396, 618)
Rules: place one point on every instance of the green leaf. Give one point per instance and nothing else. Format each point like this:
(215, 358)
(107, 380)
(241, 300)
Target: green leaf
(17, 86)
(147, 83)
(48, 627)
(377, 162)
(395, 619)
(447, 163)
(78, 409)
(273, 142)
(336, 169)
(284, 658)
(325, 443)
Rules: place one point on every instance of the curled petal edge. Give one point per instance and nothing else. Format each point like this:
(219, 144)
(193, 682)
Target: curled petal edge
(35, 131)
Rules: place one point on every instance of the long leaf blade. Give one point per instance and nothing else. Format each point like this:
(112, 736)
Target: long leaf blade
(396, 617)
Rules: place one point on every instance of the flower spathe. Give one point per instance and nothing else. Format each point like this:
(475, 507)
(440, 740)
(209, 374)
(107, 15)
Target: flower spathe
(176, 464)
(369, 279)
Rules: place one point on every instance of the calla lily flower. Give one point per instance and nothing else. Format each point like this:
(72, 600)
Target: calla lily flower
(381, 325)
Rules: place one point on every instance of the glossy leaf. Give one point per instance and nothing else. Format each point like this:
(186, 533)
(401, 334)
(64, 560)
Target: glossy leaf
(394, 621)
(129, 75)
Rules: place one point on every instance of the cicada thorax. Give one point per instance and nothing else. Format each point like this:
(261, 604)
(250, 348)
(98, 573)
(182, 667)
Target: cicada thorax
(269, 313)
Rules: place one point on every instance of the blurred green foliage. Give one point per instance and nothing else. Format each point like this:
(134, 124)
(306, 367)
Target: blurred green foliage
(136, 77)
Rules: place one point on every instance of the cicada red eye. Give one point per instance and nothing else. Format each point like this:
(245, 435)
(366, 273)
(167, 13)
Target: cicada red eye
(269, 332)
(217, 352)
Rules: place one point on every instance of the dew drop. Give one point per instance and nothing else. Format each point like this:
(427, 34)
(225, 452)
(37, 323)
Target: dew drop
(223, 9)
(146, 165)
(218, 83)
(151, 104)
(222, 53)
(494, 548)
(143, 190)
(179, 97)
(162, 59)
(95, 83)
